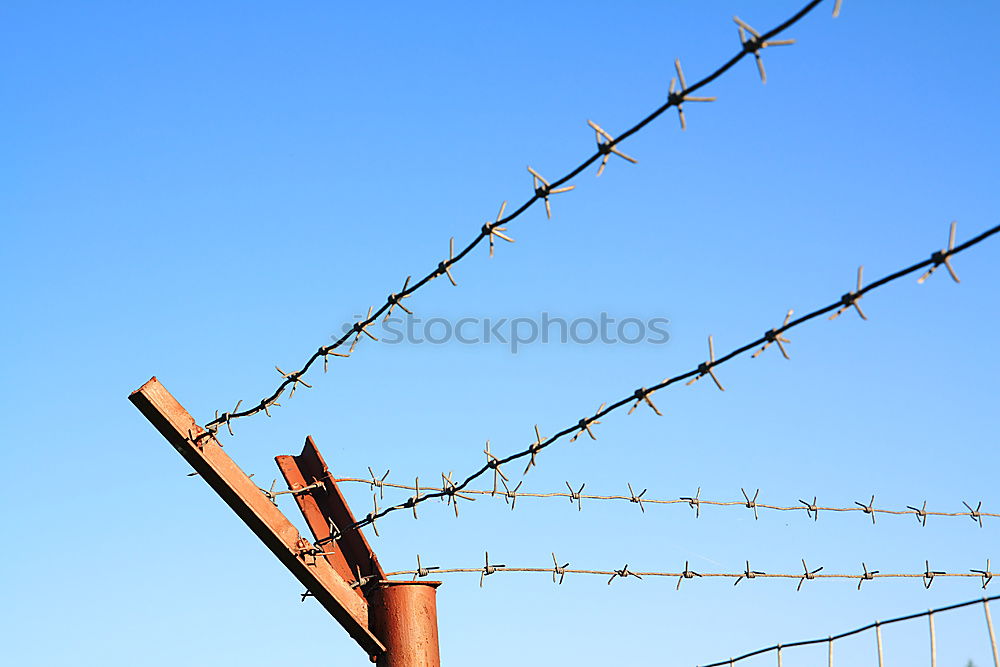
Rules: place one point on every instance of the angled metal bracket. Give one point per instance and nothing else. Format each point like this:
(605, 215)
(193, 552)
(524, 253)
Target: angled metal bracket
(327, 513)
(321, 578)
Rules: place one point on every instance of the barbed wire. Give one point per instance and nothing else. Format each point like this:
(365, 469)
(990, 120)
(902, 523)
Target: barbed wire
(877, 627)
(542, 191)
(643, 395)
(808, 573)
(576, 497)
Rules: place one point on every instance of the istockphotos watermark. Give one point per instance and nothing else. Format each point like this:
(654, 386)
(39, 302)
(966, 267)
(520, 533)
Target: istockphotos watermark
(516, 332)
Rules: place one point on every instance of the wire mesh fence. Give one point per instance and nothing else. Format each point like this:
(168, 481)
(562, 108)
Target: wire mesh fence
(878, 646)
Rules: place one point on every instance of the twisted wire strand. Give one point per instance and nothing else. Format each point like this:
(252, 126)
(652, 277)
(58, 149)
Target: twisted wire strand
(543, 189)
(877, 625)
(643, 394)
(807, 574)
(723, 575)
(976, 514)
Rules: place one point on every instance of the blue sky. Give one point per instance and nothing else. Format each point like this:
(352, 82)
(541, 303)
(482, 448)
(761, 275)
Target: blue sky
(200, 193)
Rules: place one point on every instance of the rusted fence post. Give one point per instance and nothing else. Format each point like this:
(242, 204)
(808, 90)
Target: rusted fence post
(403, 614)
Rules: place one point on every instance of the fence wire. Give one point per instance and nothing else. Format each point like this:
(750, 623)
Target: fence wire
(751, 44)
(877, 627)
(452, 491)
(695, 502)
(560, 571)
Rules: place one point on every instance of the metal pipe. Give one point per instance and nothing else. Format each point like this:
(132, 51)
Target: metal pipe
(993, 637)
(930, 620)
(403, 615)
(878, 639)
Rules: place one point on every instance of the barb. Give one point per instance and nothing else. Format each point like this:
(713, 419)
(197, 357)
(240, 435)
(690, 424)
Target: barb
(226, 417)
(493, 462)
(704, 368)
(877, 627)
(362, 581)
(809, 575)
(921, 513)
(943, 257)
(360, 327)
(495, 229)
(560, 570)
(444, 267)
(377, 482)
(624, 573)
(413, 500)
(811, 510)
(374, 514)
(511, 495)
(575, 495)
(688, 573)
(533, 449)
(986, 575)
(272, 495)
(851, 298)
(679, 97)
(606, 148)
(694, 502)
(755, 43)
(748, 574)
(751, 504)
(487, 570)
(396, 299)
(451, 492)
(975, 514)
(866, 575)
(633, 498)
(773, 336)
(542, 191)
(294, 378)
(930, 574)
(422, 571)
(585, 424)
(869, 508)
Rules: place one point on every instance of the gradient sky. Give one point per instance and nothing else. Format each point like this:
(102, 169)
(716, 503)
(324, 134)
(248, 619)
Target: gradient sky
(200, 192)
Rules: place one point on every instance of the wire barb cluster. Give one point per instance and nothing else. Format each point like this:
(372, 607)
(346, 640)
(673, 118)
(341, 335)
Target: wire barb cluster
(272, 495)
(543, 189)
(679, 97)
(943, 257)
(755, 43)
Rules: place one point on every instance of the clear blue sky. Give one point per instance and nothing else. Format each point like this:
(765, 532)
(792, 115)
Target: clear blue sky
(202, 192)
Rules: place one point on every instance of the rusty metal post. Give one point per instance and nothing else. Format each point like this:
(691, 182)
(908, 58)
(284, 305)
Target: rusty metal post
(403, 614)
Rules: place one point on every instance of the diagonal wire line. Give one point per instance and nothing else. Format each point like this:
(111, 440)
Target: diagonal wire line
(868, 508)
(877, 625)
(543, 189)
(706, 368)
